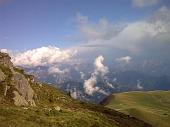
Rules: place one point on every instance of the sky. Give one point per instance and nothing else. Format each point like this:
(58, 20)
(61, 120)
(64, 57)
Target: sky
(29, 24)
(46, 32)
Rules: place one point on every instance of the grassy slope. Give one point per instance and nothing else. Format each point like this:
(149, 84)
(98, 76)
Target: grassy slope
(72, 114)
(152, 107)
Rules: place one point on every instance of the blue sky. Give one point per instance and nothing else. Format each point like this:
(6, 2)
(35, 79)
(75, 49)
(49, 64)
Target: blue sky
(27, 24)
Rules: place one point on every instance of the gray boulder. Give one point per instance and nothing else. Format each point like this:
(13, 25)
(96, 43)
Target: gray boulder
(24, 89)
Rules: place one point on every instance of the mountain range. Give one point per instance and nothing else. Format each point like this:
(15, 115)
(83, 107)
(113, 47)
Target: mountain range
(26, 102)
(118, 79)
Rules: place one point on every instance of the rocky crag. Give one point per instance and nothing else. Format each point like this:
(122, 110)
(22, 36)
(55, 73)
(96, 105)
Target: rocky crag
(15, 84)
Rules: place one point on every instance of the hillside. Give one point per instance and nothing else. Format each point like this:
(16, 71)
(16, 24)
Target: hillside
(152, 106)
(26, 102)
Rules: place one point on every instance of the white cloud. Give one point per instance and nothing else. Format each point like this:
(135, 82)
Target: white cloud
(110, 85)
(74, 93)
(139, 86)
(163, 15)
(5, 50)
(89, 85)
(114, 79)
(125, 59)
(103, 92)
(144, 3)
(56, 70)
(103, 29)
(135, 38)
(100, 69)
(42, 56)
(82, 75)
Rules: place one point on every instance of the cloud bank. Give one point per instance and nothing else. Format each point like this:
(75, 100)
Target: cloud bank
(136, 39)
(43, 56)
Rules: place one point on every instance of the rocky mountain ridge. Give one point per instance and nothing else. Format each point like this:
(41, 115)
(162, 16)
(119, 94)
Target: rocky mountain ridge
(16, 85)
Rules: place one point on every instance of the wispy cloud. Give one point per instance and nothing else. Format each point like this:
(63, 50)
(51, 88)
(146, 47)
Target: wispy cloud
(144, 3)
(125, 59)
(56, 70)
(103, 29)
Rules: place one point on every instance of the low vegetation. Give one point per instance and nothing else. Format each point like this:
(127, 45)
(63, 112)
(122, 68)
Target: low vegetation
(55, 109)
(152, 107)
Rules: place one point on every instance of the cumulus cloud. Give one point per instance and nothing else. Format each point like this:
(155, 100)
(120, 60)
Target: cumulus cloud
(144, 3)
(89, 85)
(100, 69)
(125, 59)
(42, 56)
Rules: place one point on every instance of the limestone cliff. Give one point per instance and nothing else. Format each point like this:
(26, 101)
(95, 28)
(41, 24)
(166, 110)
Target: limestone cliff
(15, 85)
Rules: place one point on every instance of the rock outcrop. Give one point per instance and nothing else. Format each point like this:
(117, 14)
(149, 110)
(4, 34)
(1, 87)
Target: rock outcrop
(5, 60)
(24, 89)
(2, 76)
(14, 82)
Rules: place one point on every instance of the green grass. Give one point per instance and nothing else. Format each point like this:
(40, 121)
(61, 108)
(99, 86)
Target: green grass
(39, 117)
(152, 107)
(73, 113)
